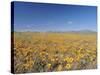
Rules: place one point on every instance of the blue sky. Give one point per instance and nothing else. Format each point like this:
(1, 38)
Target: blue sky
(53, 17)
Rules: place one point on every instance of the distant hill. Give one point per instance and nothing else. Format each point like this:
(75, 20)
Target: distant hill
(78, 32)
(83, 32)
(74, 32)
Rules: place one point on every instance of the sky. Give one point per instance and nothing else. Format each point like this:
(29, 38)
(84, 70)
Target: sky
(54, 17)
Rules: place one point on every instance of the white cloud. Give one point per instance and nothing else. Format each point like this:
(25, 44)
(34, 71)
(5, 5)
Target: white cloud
(69, 22)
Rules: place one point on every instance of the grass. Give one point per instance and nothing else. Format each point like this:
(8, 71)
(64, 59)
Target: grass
(52, 51)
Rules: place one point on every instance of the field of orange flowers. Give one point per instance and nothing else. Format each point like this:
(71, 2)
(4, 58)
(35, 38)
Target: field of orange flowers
(47, 52)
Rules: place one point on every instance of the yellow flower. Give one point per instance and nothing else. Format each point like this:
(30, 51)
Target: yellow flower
(52, 59)
(81, 55)
(94, 56)
(77, 58)
(68, 66)
(49, 65)
(69, 59)
(59, 68)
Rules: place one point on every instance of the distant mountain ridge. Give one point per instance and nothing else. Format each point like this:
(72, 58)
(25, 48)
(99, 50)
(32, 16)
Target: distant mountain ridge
(74, 31)
(84, 31)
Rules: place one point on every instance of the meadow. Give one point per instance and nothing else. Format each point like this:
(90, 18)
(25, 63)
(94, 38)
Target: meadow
(54, 51)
